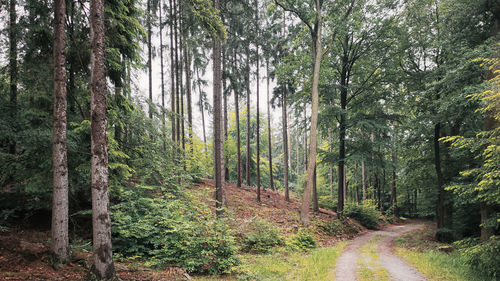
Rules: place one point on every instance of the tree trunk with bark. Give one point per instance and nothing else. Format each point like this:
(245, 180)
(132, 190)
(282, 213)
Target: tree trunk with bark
(59, 230)
(162, 79)
(13, 30)
(238, 138)
(249, 150)
(285, 143)
(318, 54)
(269, 140)
(439, 174)
(172, 76)
(220, 192)
(150, 63)
(103, 267)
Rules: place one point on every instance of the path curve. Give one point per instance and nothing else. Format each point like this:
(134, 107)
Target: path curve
(399, 269)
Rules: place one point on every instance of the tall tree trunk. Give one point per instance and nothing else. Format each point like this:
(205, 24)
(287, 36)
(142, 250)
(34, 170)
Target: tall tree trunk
(220, 192)
(373, 175)
(439, 174)
(103, 267)
(150, 63)
(344, 185)
(172, 75)
(164, 136)
(238, 138)
(318, 53)
(13, 30)
(59, 231)
(285, 144)
(315, 193)
(269, 147)
(187, 69)
(394, 199)
(305, 137)
(342, 128)
(181, 83)
(249, 150)
(178, 84)
(363, 179)
(225, 93)
(330, 169)
(258, 124)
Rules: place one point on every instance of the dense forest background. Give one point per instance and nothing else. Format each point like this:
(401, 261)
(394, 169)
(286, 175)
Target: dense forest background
(392, 105)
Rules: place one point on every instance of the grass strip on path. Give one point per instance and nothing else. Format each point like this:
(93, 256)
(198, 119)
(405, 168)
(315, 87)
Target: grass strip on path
(369, 262)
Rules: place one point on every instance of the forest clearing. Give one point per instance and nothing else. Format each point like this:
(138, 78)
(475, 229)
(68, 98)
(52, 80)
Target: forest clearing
(249, 140)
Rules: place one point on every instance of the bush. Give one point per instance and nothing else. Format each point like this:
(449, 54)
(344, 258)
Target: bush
(327, 202)
(445, 235)
(483, 256)
(263, 238)
(302, 241)
(173, 231)
(367, 214)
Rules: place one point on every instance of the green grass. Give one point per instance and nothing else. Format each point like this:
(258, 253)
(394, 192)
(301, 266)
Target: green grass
(368, 262)
(318, 265)
(440, 266)
(420, 250)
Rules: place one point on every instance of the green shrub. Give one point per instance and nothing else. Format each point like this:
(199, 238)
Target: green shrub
(263, 237)
(484, 256)
(173, 231)
(366, 214)
(327, 202)
(445, 235)
(302, 241)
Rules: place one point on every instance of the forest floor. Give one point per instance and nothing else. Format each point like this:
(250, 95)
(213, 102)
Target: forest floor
(24, 251)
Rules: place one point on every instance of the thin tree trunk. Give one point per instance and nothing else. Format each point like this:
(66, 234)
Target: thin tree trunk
(103, 267)
(315, 193)
(330, 169)
(172, 76)
(220, 193)
(162, 79)
(177, 77)
(342, 128)
(285, 144)
(181, 83)
(59, 230)
(150, 64)
(13, 67)
(249, 153)
(440, 179)
(225, 93)
(318, 53)
(187, 68)
(344, 184)
(257, 85)
(238, 138)
(394, 199)
(373, 175)
(363, 179)
(269, 147)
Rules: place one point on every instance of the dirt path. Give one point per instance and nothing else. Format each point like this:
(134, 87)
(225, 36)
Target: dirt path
(399, 270)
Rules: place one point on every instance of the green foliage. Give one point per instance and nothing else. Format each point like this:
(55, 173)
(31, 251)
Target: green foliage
(168, 230)
(484, 256)
(302, 241)
(263, 238)
(366, 214)
(446, 235)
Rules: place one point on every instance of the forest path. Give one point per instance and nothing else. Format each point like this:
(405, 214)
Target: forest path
(347, 264)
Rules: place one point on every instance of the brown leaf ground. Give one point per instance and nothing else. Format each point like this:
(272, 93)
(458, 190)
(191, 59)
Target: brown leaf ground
(24, 253)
